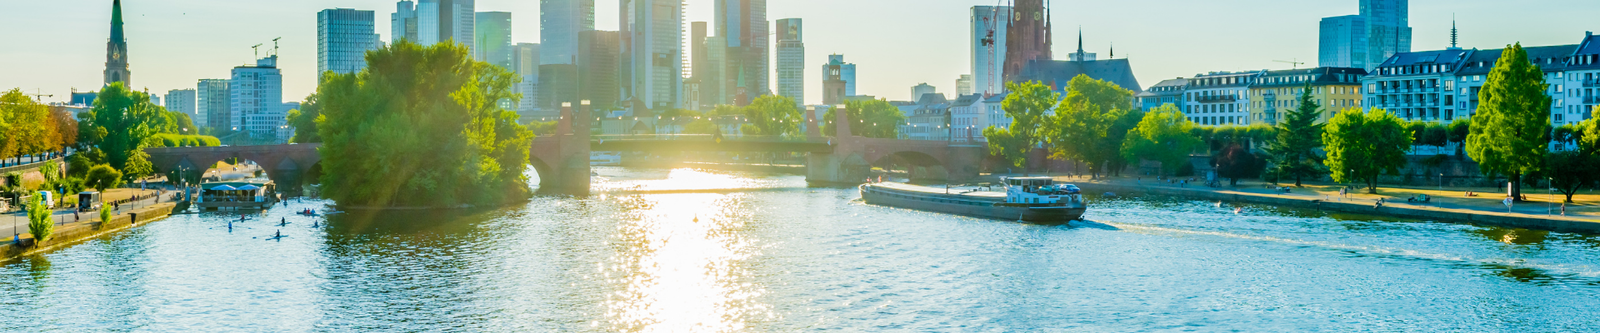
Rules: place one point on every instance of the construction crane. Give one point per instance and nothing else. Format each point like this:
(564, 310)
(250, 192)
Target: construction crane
(1296, 63)
(989, 40)
(38, 96)
(275, 46)
(257, 50)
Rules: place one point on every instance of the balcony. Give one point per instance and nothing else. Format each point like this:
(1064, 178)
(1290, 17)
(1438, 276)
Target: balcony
(1591, 83)
(1214, 99)
(1591, 100)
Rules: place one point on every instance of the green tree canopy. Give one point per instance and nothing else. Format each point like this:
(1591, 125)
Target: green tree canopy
(1509, 134)
(773, 115)
(39, 223)
(1590, 139)
(1091, 122)
(121, 121)
(1299, 135)
(1570, 171)
(102, 177)
(26, 126)
(1363, 145)
(1026, 106)
(1163, 135)
(304, 121)
(872, 119)
(421, 126)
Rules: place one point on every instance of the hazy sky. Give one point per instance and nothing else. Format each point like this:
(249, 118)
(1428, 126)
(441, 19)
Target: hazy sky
(57, 45)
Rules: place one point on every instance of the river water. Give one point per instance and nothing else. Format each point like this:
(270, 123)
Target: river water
(708, 251)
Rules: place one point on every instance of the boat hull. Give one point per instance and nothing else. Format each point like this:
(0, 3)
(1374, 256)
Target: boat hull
(970, 206)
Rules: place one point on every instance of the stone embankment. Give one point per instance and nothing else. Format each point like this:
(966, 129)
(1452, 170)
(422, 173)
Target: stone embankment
(1356, 206)
(77, 232)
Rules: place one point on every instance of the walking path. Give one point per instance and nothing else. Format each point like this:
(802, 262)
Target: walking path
(16, 223)
(1450, 203)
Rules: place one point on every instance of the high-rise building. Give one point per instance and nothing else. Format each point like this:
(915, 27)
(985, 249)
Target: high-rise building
(654, 51)
(989, 48)
(343, 38)
(446, 20)
(744, 24)
(182, 101)
(560, 21)
(847, 74)
(527, 68)
(922, 89)
(597, 68)
(403, 22)
(1343, 42)
(791, 60)
(117, 50)
(699, 66)
(964, 85)
(713, 86)
(255, 99)
(1388, 29)
(1028, 37)
(212, 105)
(494, 39)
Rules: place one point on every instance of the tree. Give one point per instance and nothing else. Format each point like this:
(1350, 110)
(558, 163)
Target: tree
(102, 177)
(1509, 134)
(1298, 137)
(1026, 106)
(421, 126)
(30, 128)
(773, 115)
(1163, 135)
(1082, 128)
(1570, 171)
(122, 121)
(1590, 139)
(66, 129)
(873, 119)
(1235, 162)
(1363, 145)
(39, 223)
(304, 121)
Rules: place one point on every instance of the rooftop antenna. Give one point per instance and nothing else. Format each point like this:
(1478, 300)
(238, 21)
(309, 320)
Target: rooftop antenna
(1453, 35)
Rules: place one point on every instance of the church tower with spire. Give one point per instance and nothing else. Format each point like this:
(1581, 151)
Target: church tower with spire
(117, 49)
(1027, 37)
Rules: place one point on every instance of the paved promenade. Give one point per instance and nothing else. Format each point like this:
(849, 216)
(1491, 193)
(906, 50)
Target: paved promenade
(1451, 203)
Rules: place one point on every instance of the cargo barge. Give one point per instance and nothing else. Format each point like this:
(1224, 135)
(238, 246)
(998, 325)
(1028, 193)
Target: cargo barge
(1028, 199)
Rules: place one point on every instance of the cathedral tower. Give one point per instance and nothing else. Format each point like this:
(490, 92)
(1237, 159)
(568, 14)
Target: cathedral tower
(117, 49)
(1027, 37)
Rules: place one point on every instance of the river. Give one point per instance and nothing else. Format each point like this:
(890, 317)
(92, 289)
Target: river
(709, 251)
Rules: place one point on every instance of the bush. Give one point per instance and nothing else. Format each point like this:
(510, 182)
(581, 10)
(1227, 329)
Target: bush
(103, 177)
(105, 214)
(1186, 169)
(177, 140)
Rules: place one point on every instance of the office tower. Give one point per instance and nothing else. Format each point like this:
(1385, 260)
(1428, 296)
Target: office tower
(560, 21)
(255, 99)
(964, 85)
(1388, 28)
(791, 60)
(654, 52)
(343, 38)
(1027, 37)
(212, 105)
(182, 101)
(699, 64)
(744, 24)
(526, 66)
(989, 48)
(494, 39)
(1343, 42)
(446, 20)
(117, 50)
(714, 87)
(403, 22)
(847, 74)
(921, 89)
(597, 68)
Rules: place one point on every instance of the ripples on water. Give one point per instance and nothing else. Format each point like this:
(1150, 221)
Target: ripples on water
(703, 251)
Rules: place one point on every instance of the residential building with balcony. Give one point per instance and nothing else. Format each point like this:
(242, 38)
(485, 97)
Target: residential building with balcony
(965, 115)
(1219, 98)
(1276, 93)
(1422, 85)
(1581, 83)
(1552, 60)
(1168, 91)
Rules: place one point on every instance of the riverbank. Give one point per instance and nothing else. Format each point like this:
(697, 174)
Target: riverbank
(1316, 197)
(89, 228)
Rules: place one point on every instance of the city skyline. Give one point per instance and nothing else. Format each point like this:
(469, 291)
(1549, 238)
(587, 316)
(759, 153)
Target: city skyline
(174, 44)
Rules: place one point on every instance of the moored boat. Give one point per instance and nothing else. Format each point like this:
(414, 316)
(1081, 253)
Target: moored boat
(1030, 199)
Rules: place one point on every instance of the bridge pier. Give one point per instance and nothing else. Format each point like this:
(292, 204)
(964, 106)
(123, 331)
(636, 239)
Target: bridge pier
(562, 160)
(836, 168)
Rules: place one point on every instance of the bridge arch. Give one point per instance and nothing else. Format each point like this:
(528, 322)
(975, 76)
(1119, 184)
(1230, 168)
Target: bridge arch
(285, 165)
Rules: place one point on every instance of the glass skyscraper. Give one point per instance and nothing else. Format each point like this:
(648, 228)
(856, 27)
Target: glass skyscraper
(343, 38)
(1388, 29)
(494, 39)
(791, 60)
(1343, 42)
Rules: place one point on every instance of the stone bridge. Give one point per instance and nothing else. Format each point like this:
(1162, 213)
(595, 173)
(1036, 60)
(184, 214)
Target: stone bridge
(562, 159)
(287, 165)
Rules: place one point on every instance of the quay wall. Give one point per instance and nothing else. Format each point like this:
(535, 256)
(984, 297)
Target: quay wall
(1552, 223)
(75, 233)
